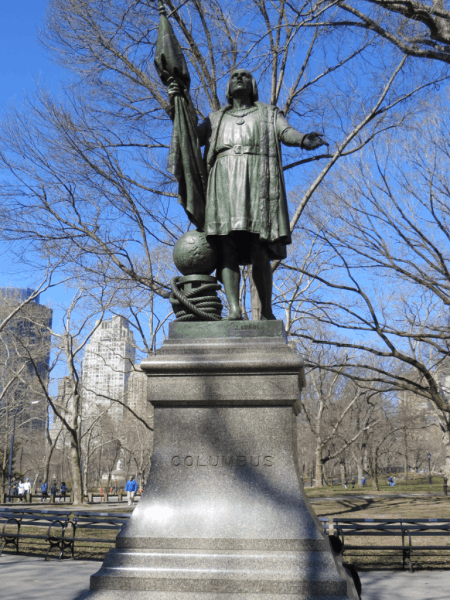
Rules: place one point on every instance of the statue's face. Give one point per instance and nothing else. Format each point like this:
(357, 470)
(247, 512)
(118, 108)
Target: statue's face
(241, 83)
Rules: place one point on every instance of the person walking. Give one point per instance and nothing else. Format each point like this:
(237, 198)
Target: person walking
(363, 481)
(131, 489)
(53, 492)
(14, 491)
(27, 488)
(20, 490)
(44, 488)
(63, 490)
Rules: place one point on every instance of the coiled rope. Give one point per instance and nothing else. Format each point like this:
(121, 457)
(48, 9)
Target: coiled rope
(195, 305)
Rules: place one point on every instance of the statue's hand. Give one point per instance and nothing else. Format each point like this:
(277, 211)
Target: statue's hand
(313, 140)
(173, 90)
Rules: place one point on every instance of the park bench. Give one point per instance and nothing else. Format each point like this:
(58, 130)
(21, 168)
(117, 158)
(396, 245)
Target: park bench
(325, 524)
(95, 521)
(407, 529)
(57, 524)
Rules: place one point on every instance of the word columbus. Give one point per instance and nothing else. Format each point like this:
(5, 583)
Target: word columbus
(222, 461)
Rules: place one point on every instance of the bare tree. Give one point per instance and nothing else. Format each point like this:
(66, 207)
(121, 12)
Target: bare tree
(337, 411)
(417, 28)
(385, 222)
(81, 320)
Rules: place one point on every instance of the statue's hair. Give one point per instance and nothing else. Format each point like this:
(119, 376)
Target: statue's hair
(254, 94)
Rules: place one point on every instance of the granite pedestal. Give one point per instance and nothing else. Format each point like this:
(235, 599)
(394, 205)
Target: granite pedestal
(223, 514)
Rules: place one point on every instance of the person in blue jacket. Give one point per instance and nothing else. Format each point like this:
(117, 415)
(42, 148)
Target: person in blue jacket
(131, 488)
(44, 488)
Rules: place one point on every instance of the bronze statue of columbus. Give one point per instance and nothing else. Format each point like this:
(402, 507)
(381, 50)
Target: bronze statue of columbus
(246, 213)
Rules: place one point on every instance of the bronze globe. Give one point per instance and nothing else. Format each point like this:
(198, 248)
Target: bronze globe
(194, 255)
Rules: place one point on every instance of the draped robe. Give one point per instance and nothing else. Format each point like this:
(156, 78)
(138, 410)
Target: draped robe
(246, 190)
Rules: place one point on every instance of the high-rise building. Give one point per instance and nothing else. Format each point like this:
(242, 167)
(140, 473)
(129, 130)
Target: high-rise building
(108, 363)
(137, 394)
(25, 344)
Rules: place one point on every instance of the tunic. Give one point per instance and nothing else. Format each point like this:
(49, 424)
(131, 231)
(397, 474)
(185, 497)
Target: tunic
(232, 196)
(246, 190)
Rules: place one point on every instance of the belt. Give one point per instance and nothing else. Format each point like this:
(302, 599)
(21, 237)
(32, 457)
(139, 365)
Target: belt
(238, 149)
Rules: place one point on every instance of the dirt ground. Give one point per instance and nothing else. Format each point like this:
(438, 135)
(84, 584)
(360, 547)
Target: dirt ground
(384, 507)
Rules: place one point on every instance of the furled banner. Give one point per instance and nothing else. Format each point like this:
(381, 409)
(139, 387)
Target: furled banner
(185, 159)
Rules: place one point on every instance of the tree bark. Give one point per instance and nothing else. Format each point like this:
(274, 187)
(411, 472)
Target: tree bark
(50, 446)
(48, 458)
(77, 482)
(375, 485)
(255, 302)
(318, 481)
(343, 473)
(360, 474)
(446, 443)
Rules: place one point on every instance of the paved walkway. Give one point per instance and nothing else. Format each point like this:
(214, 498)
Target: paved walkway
(32, 578)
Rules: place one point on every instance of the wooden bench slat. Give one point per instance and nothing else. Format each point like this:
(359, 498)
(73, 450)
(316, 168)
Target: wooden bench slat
(92, 540)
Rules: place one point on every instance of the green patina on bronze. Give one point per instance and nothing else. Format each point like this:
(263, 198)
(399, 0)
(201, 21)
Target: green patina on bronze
(239, 200)
(226, 329)
(185, 158)
(194, 255)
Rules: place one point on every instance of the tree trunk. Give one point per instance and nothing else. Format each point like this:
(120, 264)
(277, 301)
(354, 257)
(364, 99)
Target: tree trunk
(366, 460)
(360, 474)
(446, 443)
(5, 462)
(256, 304)
(343, 473)
(77, 482)
(318, 481)
(48, 458)
(50, 446)
(85, 477)
(375, 485)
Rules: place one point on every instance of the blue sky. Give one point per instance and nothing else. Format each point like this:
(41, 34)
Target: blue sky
(23, 61)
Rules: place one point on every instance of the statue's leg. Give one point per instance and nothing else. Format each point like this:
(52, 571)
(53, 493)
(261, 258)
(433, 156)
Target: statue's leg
(230, 274)
(262, 278)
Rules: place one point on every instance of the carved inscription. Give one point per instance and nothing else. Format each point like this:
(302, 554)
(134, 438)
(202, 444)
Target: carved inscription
(248, 326)
(222, 461)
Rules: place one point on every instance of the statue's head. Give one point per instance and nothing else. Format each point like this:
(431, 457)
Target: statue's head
(241, 79)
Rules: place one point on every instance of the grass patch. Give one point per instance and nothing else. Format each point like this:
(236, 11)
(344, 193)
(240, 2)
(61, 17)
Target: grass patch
(384, 507)
(414, 484)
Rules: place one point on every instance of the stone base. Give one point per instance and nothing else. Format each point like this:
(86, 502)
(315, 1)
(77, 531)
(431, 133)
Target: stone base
(111, 595)
(223, 514)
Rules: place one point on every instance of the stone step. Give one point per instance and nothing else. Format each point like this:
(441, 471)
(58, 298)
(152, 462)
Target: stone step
(275, 566)
(145, 595)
